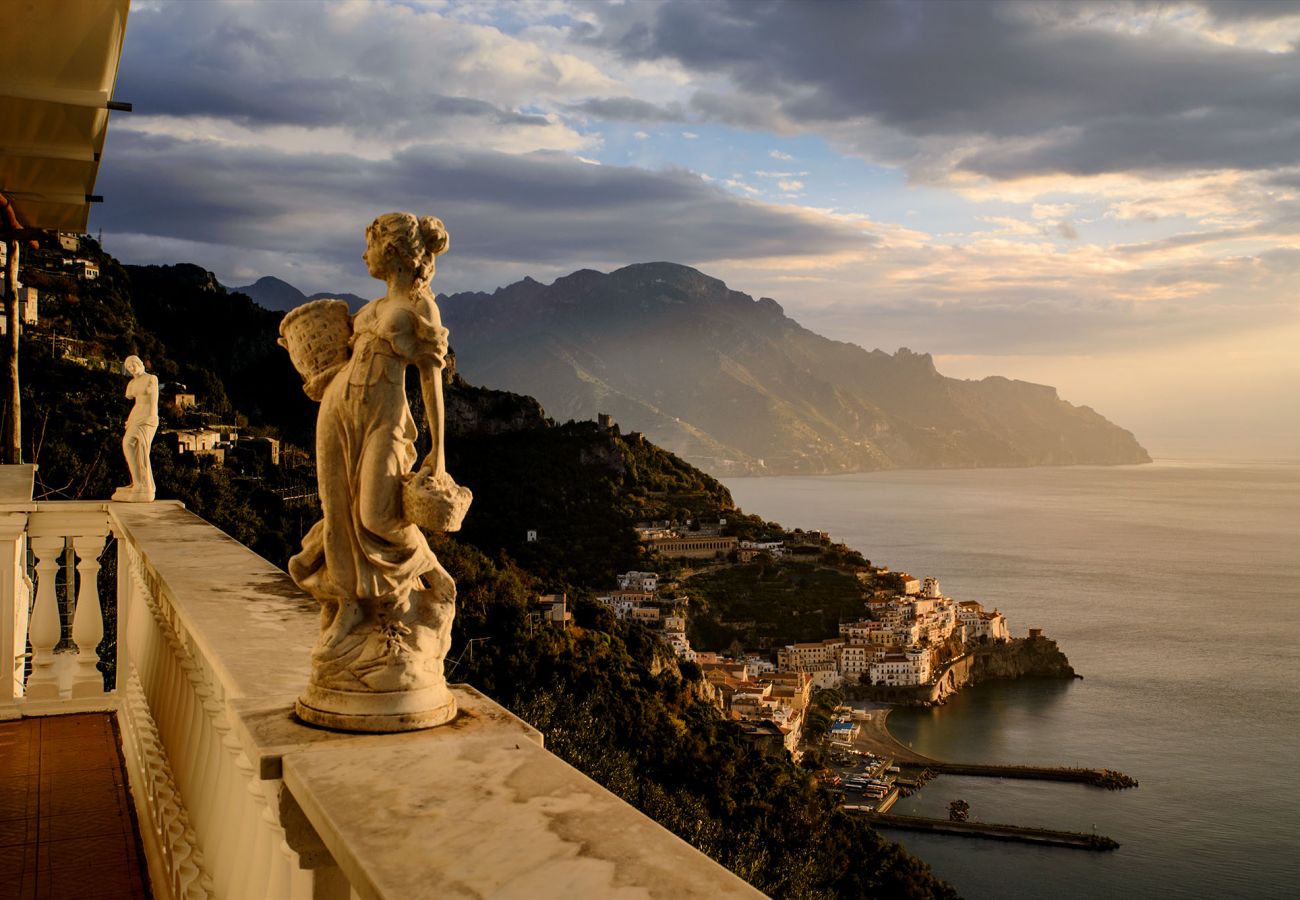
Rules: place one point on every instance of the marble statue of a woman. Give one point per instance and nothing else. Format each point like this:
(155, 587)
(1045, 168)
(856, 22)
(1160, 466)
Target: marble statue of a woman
(141, 425)
(386, 603)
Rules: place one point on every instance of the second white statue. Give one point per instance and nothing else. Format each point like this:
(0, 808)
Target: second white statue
(386, 603)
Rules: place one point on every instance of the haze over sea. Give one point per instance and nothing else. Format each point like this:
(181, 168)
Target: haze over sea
(1174, 588)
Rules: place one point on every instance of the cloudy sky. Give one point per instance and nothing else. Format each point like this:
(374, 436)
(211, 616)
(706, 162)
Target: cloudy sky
(1100, 196)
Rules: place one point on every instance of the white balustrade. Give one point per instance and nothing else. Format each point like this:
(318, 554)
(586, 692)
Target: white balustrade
(236, 800)
(59, 544)
(218, 835)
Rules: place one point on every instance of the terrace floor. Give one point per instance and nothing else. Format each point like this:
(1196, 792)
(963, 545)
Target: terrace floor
(67, 826)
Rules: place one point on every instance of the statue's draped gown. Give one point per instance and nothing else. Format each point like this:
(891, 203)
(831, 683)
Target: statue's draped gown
(362, 561)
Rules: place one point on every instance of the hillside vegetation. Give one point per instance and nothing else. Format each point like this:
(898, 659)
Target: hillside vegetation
(610, 698)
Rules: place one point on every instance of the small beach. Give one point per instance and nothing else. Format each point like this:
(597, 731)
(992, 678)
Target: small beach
(876, 738)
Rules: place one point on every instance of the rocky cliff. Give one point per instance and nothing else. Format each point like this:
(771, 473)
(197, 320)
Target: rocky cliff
(1035, 657)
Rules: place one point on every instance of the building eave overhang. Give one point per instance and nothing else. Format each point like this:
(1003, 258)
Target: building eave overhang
(58, 68)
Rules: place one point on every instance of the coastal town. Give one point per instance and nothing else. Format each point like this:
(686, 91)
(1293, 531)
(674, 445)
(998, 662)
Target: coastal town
(824, 703)
(904, 638)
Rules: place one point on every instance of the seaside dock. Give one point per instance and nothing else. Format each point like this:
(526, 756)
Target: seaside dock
(1017, 833)
(917, 769)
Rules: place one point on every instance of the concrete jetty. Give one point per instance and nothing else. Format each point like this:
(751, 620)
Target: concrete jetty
(1017, 833)
(1107, 778)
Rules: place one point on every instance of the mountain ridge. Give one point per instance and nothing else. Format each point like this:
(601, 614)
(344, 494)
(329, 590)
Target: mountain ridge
(278, 295)
(736, 386)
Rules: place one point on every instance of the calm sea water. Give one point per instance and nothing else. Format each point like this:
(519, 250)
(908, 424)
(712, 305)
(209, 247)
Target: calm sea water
(1174, 589)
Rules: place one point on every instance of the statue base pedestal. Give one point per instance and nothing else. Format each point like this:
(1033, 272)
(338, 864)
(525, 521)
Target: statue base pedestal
(133, 495)
(378, 712)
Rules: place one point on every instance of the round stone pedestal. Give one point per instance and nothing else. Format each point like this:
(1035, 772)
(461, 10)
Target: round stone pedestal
(376, 711)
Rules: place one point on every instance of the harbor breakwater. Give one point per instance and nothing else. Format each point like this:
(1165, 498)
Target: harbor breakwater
(1018, 833)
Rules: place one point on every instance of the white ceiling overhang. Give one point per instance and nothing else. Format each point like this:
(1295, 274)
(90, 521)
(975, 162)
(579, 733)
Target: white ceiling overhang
(58, 66)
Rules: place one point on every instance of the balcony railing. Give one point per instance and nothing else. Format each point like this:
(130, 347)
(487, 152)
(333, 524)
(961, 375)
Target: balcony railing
(236, 798)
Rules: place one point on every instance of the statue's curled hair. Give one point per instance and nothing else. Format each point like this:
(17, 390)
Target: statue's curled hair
(410, 241)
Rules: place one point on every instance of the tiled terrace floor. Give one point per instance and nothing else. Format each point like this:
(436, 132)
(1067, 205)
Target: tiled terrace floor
(66, 824)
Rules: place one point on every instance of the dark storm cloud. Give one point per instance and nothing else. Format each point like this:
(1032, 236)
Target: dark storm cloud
(1245, 10)
(1287, 179)
(629, 109)
(309, 102)
(1222, 138)
(1083, 98)
(536, 209)
(286, 64)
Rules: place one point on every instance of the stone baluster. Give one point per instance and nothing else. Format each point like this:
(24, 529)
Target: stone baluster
(162, 688)
(88, 619)
(165, 807)
(188, 872)
(127, 610)
(214, 763)
(197, 756)
(175, 721)
(280, 861)
(284, 865)
(145, 652)
(173, 714)
(45, 627)
(160, 682)
(261, 863)
(249, 881)
(69, 587)
(14, 600)
(302, 884)
(225, 842)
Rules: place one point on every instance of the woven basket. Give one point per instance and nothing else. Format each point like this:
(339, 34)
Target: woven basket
(316, 335)
(434, 502)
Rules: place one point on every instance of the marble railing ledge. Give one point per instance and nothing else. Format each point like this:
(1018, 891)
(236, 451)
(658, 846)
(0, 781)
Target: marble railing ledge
(269, 733)
(252, 624)
(473, 808)
(477, 808)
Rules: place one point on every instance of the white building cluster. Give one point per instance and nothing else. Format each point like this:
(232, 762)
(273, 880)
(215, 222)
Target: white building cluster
(901, 644)
(638, 599)
(752, 692)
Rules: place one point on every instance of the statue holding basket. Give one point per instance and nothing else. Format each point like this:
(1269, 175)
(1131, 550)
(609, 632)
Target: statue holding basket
(386, 603)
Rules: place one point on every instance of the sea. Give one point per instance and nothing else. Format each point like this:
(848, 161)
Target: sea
(1174, 589)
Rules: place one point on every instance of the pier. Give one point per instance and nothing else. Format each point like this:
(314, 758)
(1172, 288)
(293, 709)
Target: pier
(1020, 834)
(1105, 778)
(917, 769)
